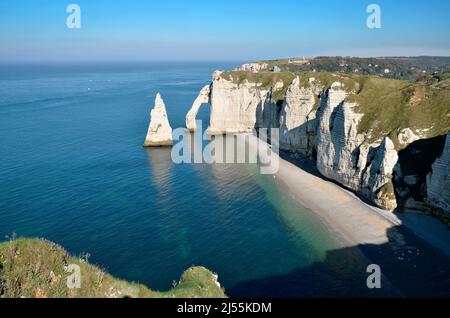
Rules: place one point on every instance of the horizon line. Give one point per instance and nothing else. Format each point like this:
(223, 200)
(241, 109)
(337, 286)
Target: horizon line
(26, 61)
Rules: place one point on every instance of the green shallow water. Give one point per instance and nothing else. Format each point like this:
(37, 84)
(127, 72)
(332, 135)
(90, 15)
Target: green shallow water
(72, 170)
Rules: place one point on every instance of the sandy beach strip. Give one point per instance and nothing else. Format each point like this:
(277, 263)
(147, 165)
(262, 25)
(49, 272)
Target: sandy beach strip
(352, 221)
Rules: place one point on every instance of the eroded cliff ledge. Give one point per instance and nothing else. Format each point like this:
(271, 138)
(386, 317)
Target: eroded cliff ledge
(353, 126)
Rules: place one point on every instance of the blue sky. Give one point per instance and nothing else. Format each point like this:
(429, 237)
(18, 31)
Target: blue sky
(35, 30)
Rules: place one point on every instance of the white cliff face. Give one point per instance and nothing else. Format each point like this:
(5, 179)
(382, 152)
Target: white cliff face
(377, 179)
(202, 98)
(297, 118)
(237, 108)
(337, 137)
(438, 181)
(343, 156)
(253, 67)
(328, 133)
(159, 132)
(406, 137)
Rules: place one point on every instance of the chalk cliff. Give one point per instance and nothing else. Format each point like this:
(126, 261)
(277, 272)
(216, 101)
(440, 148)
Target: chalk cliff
(240, 107)
(352, 126)
(253, 67)
(202, 98)
(343, 155)
(298, 117)
(438, 180)
(159, 132)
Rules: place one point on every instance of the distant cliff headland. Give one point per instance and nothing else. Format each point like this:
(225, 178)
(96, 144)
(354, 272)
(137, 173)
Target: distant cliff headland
(377, 126)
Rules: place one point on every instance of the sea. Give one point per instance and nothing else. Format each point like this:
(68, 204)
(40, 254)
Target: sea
(73, 171)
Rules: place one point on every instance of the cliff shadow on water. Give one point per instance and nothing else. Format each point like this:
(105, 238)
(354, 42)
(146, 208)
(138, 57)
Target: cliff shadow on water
(410, 267)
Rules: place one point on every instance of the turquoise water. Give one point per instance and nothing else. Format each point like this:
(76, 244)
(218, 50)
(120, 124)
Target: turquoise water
(73, 171)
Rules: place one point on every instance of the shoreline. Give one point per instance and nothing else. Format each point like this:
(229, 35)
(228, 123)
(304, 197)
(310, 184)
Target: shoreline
(353, 221)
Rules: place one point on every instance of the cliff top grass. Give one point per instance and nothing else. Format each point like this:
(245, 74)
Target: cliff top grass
(35, 268)
(388, 105)
(264, 80)
(325, 79)
(392, 105)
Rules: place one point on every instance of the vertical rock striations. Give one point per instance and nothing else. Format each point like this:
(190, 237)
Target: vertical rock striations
(159, 132)
(345, 157)
(317, 118)
(377, 180)
(297, 118)
(438, 181)
(240, 107)
(337, 139)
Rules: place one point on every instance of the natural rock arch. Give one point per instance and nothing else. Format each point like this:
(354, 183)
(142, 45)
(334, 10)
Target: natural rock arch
(202, 98)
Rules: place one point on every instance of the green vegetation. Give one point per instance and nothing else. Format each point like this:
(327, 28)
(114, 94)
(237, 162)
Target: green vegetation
(350, 82)
(392, 105)
(264, 80)
(388, 105)
(403, 68)
(36, 268)
(267, 80)
(387, 191)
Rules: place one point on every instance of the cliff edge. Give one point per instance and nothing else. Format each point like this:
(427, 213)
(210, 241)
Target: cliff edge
(35, 268)
(357, 128)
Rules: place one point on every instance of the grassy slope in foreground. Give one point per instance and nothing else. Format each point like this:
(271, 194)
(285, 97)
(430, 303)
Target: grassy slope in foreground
(35, 268)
